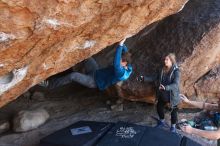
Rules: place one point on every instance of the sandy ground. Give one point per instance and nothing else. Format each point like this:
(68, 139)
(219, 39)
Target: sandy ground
(65, 107)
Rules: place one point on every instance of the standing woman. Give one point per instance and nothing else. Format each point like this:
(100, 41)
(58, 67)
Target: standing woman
(167, 90)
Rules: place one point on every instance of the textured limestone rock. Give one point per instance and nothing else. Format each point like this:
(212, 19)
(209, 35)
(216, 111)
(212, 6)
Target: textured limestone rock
(52, 35)
(29, 120)
(194, 36)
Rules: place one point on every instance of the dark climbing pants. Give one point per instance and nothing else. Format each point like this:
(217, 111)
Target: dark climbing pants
(160, 110)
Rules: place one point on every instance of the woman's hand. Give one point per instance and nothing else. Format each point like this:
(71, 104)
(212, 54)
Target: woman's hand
(187, 129)
(161, 87)
(184, 98)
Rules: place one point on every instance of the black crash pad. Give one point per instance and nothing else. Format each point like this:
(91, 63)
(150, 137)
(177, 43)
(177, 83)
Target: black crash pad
(86, 133)
(123, 134)
(82, 133)
(159, 137)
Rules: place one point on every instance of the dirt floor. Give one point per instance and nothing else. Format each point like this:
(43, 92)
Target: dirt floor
(69, 105)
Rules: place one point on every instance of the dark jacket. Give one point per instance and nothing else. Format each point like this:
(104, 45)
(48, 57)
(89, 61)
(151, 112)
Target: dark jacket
(114, 73)
(172, 87)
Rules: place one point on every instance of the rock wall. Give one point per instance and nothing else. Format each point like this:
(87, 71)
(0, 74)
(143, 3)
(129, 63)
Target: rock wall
(49, 36)
(208, 86)
(194, 36)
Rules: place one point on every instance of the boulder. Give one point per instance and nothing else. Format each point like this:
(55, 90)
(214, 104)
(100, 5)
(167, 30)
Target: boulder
(27, 120)
(43, 38)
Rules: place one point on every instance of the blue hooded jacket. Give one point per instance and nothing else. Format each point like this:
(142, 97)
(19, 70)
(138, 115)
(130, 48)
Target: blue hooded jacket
(114, 73)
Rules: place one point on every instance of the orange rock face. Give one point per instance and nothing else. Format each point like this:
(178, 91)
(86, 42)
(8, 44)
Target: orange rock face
(41, 38)
(208, 86)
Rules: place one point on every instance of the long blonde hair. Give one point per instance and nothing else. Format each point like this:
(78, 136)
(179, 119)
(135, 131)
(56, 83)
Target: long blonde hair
(172, 57)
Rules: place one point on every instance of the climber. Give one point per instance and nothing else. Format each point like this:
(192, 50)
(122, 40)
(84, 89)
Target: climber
(167, 91)
(95, 77)
(204, 115)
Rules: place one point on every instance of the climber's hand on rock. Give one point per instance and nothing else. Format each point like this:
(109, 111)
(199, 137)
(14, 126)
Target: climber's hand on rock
(122, 42)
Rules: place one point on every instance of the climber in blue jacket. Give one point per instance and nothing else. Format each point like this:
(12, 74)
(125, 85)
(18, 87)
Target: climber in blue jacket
(95, 77)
